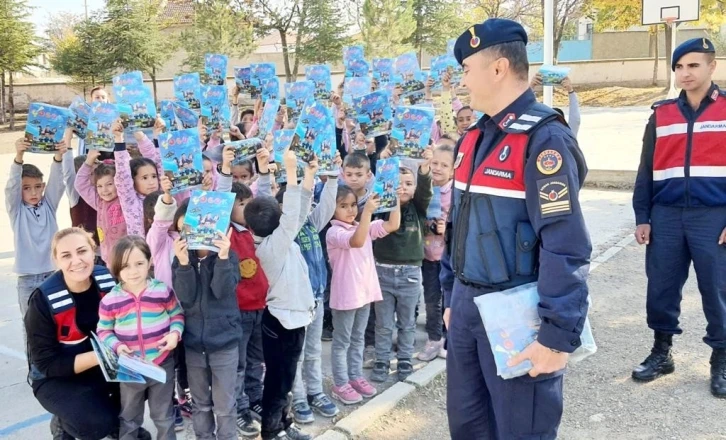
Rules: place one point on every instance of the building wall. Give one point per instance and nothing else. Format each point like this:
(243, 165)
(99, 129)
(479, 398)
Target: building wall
(634, 44)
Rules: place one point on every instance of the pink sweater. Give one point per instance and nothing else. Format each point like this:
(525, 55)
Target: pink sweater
(161, 240)
(434, 244)
(110, 220)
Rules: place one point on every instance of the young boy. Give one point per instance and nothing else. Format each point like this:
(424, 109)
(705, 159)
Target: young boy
(309, 375)
(32, 208)
(290, 303)
(398, 263)
(357, 176)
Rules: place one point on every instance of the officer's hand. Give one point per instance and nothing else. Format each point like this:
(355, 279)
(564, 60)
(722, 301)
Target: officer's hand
(722, 238)
(447, 317)
(642, 234)
(543, 359)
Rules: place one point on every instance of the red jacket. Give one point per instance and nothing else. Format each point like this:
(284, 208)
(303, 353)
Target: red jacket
(252, 287)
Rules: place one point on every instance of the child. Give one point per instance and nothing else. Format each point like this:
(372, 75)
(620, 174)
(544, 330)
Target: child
(204, 282)
(398, 263)
(354, 286)
(98, 188)
(358, 177)
(141, 317)
(82, 215)
(244, 172)
(442, 173)
(98, 94)
(32, 209)
(290, 303)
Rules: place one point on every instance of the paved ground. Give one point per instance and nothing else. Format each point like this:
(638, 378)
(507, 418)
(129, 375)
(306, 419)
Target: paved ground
(601, 401)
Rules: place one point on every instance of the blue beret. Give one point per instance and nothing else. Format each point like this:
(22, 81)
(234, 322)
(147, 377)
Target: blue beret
(492, 32)
(700, 45)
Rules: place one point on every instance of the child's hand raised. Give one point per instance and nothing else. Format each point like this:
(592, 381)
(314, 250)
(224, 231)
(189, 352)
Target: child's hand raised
(21, 146)
(166, 184)
(207, 182)
(312, 166)
(169, 342)
(92, 156)
(159, 127)
(118, 131)
(217, 134)
(440, 226)
(373, 202)
(223, 243)
(427, 155)
(446, 81)
(61, 149)
(228, 155)
(181, 251)
(290, 160)
(337, 160)
(123, 349)
(263, 159)
(235, 131)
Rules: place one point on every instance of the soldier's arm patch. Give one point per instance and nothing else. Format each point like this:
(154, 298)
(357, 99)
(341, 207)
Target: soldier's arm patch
(554, 196)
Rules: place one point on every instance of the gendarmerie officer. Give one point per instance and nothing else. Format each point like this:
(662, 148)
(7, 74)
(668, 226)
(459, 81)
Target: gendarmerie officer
(680, 209)
(516, 219)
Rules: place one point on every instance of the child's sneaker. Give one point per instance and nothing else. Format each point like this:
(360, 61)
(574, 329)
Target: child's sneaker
(363, 387)
(322, 405)
(294, 433)
(346, 394)
(369, 357)
(247, 426)
(430, 351)
(185, 404)
(302, 413)
(405, 369)
(256, 410)
(178, 419)
(380, 372)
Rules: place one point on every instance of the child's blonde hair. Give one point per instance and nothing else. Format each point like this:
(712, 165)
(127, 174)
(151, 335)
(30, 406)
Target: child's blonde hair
(63, 233)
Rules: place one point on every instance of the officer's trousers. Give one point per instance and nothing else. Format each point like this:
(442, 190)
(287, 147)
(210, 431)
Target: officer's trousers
(482, 405)
(679, 236)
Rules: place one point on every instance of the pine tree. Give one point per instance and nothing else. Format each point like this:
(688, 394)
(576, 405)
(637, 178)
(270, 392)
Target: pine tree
(323, 33)
(436, 22)
(283, 18)
(386, 27)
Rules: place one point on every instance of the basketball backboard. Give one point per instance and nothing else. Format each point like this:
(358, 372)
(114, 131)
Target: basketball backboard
(658, 11)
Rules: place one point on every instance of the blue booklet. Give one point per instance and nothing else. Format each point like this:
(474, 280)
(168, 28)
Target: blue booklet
(412, 130)
(386, 183)
(328, 148)
(320, 75)
(553, 75)
(296, 94)
(46, 126)
(207, 217)
(374, 113)
(215, 107)
(414, 87)
(187, 88)
(243, 78)
(352, 53)
(356, 67)
(245, 149)
(166, 113)
(434, 211)
(311, 131)
(108, 361)
(215, 69)
(383, 69)
(81, 113)
(270, 88)
(263, 70)
(99, 135)
(181, 158)
(128, 79)
(441, 65)
(407, 64)
(142, 366)
(185, 117)
(136, 107)
(281, 174)
(280, 143)
(355, 88)
(267, 120)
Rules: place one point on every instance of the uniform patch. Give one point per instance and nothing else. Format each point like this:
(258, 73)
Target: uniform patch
(504, 174)
(459, 158)
(247, 268)
(504, 154)
(549, 162)
(511, 117)
(554, 196)
(714, 94)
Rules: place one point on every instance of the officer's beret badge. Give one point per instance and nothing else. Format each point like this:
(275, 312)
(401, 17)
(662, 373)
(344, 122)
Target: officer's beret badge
(475, 41)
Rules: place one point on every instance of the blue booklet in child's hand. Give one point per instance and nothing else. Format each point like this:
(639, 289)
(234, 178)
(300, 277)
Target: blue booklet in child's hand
(99, 135)
(352, 53)
(81, 113)
(386, 183)
(245, 149)
(207, 217)
(215, 69)
(45, 127)
(326, 150)
(320, 76)
(141, 366)
(243, 78)
(374, 113)
(412, 130)
(441, 65)
(215, 107)
(407, 64)
(128, 79)
(312, 131)
(185, 117)
(383, 69)
(267, 121)
(355, 88)
(108, 361)
(356, 67)
(136, 107)
(270, 88)
(181, 158)
(280, 143)
(553, 75)
(296, 94)
(187, 88)
(166, 113)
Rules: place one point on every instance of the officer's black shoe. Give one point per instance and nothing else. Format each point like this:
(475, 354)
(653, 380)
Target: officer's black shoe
(57, 431)
(659, 362)
(718, 373)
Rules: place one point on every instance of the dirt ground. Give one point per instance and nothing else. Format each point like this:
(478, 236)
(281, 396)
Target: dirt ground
(601, 401)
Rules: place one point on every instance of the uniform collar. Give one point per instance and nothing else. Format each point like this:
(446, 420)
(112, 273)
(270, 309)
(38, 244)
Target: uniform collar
(510, 113)
(711, 95)
(344, 225)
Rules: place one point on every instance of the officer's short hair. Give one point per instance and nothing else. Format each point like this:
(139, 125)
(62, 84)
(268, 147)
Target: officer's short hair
(516, 53)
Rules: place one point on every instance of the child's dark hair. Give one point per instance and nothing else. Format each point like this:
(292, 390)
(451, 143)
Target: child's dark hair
(95, 89)
(444, 148)
(78, 161)
(103, 170)
(150, 209)
(357, 161)
(121, 251)
(247, 164)
(31, 171)
(205, 157)
(280, 194)
(181, 211)
(139, 162)
(246, 112)
(241, 191)
(263, 216)
(343, 192)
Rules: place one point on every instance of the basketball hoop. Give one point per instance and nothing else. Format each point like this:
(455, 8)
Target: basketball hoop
(670, 21)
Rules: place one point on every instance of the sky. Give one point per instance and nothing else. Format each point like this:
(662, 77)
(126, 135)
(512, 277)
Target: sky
(43, 9)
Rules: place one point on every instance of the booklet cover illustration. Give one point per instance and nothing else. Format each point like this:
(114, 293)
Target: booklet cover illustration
(207, 217)
(181, 159)
(352, 53)
(215, 107)
(553, 75)
(81, 113)
(441, 65)
(386, 183)
(108, 361)
(412, 130)
(374, 113)
(187, 88)
(355, 88)
(185, 117)
(296, 94)
(328, 148)
(245, 149)
(414, 87)
(280, 143)
(263, 70)
(384, 69)
(46, 126)
(313, 130)
(136, 107)
(269, 114)
(407, 64)
(166, 113)
(128, 79)
(99, 135)
(243, 79)
(215, 69)
(270, 88)
(356, 67)
(320, 76)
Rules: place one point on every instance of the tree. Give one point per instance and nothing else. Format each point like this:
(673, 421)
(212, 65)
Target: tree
(219, 27)
(60, 26)
(512, 9)
(19, 49)
(387, 26)
(322, 32)
(566, 12)
(283, 18)
(436, 22)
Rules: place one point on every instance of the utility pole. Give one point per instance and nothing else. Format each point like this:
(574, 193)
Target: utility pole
(549, 34)
(85, 6)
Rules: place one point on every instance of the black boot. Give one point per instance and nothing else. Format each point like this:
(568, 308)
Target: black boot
(718, 372)
(659, 362)
(57, 431)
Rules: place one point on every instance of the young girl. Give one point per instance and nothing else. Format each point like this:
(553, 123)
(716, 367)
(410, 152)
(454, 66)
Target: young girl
(98, 189)
(354, 286)
(142, 317)
(442, 174)
(244, 172)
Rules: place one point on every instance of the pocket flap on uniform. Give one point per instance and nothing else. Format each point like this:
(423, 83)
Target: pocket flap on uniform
(526, 237)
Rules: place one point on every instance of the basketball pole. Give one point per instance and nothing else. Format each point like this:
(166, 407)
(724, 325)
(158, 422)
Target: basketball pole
(548, 55)
(672, 92)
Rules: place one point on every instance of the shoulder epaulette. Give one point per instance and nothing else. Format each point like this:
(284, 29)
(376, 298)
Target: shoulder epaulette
(662, 102)
(534, 116)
